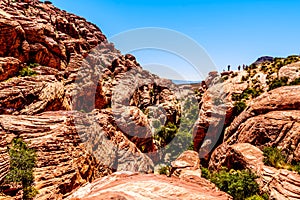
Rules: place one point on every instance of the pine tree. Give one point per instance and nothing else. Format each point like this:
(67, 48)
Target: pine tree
(22, 162)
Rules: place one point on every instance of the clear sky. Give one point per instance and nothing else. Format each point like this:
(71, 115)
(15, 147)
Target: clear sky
(231, 32)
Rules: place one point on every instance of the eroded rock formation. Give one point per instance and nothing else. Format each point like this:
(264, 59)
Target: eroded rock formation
(125, 185)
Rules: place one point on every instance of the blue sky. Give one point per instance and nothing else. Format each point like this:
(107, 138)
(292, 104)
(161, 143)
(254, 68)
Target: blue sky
(231, 32)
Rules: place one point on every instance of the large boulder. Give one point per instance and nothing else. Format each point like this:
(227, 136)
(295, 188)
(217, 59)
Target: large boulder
(132, 186)
(187, 166)
(272, 119)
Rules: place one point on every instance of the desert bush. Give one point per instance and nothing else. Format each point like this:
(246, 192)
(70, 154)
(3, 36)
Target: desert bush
(276, 83)
(258, 197)
(275, 158)
(164, 170)
(295, 82)
(245, 78)
(166, 133)
(205, 173)
(33, 65)
(240, 184)
(27, 71)
(239, 107)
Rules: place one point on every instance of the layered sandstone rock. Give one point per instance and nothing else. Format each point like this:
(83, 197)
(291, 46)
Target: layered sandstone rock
(278, 183)
(291, 71)
(271, 120)
(75, 69)
(73, 148)
(125, 185)
(187, 166)
(9, 67)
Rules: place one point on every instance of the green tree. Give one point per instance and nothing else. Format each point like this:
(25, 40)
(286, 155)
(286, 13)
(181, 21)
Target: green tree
(240, 184)
(22, 162)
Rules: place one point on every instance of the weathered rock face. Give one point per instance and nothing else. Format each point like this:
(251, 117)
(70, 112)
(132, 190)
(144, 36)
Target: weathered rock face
(279, 183)
(187, 166)
(75, 69)
(40, 33)
(218, 106)
(71, 153)
(291, 71)
(271, 120)
(216, 112)
(9, 67)
(129, 186)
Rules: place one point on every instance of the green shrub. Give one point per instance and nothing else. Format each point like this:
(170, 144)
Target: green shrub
(224, 78)
(22, 162)
(245, 78)
(33, 65)
(275, 158)
(276, 83)
(166, 133)
(258, 197)
(264, 68)
(205, 173)
(296, 167)
(164, 170)
(239, 184)
(26, 71)
(295, 82)
(239, 107)
(234, 74)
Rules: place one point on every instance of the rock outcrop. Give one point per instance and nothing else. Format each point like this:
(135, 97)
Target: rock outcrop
(70, 155)
(59, 84)
(278, 183)
(187, 166)
(125, 185)
(271, 120)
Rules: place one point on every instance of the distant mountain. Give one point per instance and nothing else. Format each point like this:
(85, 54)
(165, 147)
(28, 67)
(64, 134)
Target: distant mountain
(264, 59)
(185, 82)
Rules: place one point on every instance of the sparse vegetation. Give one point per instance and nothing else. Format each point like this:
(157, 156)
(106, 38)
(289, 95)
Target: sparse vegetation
(295, 82)
(177, 138)
(22, 162)
(276, 83)
(165, 170)
(239, 107)
(240, 99)
(33, 65)
(166, 134)
(224, 78)
(274, 157)
(240, 184)
(245, 78)
(235, 74)
(26, 71)
(257, 197)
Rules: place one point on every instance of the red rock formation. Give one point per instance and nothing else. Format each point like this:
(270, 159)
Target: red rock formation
(67, 159)
(187, 166)
(271, 120)
(278, 183)
(132, 186)
(76, 69)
